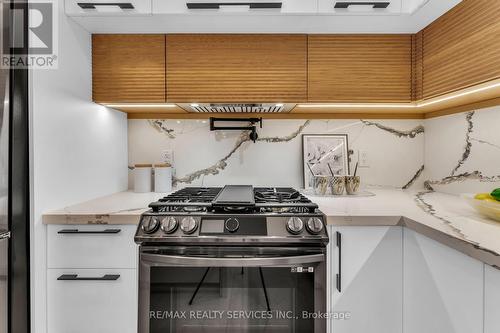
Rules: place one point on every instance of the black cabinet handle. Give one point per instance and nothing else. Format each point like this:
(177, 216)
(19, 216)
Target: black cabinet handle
(74, 277)
(375, 4)
(339, 274)
(217, 5)
(92, 5)
(79, 232)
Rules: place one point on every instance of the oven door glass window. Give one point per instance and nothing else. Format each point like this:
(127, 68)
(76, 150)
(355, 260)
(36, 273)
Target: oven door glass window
(250, 299)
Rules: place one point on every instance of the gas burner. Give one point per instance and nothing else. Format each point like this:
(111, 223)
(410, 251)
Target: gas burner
(194, 209)
(277, 195)
(233, 209)
(235, 199)
(235, 214)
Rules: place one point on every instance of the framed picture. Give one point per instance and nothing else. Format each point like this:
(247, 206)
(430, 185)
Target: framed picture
(324, 154)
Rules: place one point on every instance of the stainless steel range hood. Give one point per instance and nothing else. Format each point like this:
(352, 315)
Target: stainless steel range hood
(238, 107)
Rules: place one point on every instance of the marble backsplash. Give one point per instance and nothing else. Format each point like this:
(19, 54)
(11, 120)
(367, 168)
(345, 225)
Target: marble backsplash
(462, 152)
(395, 151)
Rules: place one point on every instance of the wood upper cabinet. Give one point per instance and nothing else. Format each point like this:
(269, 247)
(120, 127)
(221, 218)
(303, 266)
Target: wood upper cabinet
(461, 48)
(128, 68)
(236, 68)
(360, 68)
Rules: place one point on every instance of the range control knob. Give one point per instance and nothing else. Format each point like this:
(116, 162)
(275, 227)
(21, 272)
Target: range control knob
(232, 224)
(314, 225)
(189, 225)
(150, 224)
(169, 224)
(294, 225)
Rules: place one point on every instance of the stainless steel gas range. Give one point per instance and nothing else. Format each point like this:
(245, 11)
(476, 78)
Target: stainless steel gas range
(235, 259)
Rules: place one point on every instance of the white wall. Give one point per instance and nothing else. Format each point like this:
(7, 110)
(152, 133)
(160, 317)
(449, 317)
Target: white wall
(79, 149)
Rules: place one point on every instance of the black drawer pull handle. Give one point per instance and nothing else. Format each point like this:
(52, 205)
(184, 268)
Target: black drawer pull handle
(92, 5)
(78, 232)
(376, 5)
(74, 277)
(217, 5)
(339, 274)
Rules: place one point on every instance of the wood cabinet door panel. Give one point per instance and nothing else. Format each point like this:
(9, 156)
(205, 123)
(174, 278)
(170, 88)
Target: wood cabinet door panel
(460, 49)
(236, 68)
(128, 68)
(361, 68)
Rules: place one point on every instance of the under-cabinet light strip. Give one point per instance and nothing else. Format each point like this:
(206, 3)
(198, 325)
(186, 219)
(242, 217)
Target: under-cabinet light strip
(135, 105)
(359, 105)
(405, 105)
(459, 94)
(342, 105)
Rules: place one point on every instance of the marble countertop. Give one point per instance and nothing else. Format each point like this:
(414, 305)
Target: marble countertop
(119, 208)
(443, 217)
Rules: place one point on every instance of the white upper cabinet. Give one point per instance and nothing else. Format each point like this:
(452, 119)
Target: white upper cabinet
(370, 7)
(443, 288)
(360, 7)
(257, 7)
(491, 300)
(107, 7)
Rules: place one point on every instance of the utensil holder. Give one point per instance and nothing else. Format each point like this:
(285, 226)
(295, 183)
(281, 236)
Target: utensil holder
(337, 185)
(352, 184)
(321, 184)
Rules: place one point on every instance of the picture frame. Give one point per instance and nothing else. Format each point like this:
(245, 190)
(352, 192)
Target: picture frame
(322, 150)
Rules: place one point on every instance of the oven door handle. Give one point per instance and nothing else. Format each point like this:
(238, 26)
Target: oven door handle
(168, 260)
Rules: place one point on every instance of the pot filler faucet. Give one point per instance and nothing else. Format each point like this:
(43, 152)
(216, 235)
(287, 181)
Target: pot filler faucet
(252, 128)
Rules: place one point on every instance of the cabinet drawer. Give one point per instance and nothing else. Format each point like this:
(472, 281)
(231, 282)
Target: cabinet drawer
(107, 7)
(287, 7)
(91, 246)
(328, 6)
(98, 306)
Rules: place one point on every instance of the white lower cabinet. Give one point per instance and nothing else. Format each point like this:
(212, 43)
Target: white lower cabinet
(92, 279)
(366, 279)
(443, 288)
(91, 246)
(491, 299)
(97, 306)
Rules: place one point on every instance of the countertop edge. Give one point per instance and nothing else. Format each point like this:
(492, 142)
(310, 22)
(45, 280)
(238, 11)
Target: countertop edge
(470, 249)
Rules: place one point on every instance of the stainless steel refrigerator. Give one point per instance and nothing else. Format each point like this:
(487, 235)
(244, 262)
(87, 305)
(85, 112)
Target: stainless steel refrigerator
(14, 178)
(4, 189)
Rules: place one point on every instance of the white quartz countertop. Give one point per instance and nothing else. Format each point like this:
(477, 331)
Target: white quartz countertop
(119, 208)
(446, 218)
